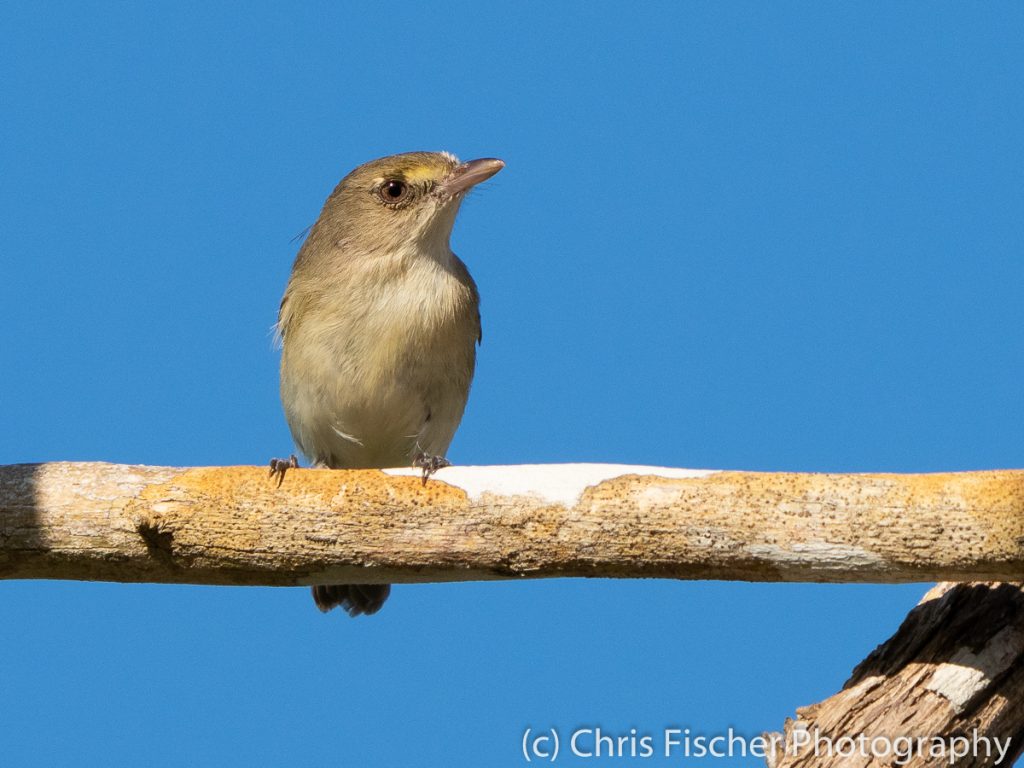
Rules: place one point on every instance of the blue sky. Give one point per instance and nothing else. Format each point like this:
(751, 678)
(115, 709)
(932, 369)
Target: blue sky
(729, 235)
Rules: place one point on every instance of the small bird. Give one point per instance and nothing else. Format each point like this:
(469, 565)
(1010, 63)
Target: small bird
(379, 326)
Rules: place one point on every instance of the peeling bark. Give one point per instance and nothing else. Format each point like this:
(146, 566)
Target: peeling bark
(947, 688)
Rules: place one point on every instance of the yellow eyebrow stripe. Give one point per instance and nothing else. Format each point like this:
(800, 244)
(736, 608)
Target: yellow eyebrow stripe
(421, 173)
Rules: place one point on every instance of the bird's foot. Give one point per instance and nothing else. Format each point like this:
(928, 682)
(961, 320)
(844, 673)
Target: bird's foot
(278, 467)
(429, 464)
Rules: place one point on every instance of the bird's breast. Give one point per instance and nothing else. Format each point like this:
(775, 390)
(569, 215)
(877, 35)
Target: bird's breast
(381, 365)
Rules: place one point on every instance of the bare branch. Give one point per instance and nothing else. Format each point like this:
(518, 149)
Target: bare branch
(234, 525)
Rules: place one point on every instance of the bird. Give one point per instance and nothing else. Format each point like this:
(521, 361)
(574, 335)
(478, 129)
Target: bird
(379, 326)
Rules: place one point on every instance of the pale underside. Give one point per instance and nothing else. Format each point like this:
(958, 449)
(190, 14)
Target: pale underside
(379, 367)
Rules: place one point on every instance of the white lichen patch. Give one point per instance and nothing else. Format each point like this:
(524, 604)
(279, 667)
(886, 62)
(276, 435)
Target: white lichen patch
(552, 483)
(823, 554)
(967, 674)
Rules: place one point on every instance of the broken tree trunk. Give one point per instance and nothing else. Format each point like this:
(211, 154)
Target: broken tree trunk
(947, 688)
(235, 525)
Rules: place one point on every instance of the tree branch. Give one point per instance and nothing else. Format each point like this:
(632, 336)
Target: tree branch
(234, 525)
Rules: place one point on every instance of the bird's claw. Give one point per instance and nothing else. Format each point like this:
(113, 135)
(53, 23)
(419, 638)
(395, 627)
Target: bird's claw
(429, 464)
(278, 467)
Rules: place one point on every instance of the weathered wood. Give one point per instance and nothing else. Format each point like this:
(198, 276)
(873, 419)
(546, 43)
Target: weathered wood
(234, 525)
(946, 689)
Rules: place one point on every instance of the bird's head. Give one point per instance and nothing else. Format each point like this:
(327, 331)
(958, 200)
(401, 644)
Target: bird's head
(402, 200)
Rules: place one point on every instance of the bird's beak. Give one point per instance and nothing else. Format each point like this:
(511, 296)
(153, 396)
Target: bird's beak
(470, 174)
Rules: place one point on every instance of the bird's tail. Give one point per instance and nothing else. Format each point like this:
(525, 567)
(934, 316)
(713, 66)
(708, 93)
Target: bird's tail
(356, 599)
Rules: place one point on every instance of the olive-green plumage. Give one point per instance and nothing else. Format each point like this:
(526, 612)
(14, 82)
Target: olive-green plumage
(379, 323)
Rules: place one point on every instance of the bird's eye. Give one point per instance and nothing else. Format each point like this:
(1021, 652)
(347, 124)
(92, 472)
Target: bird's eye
(394, 191)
